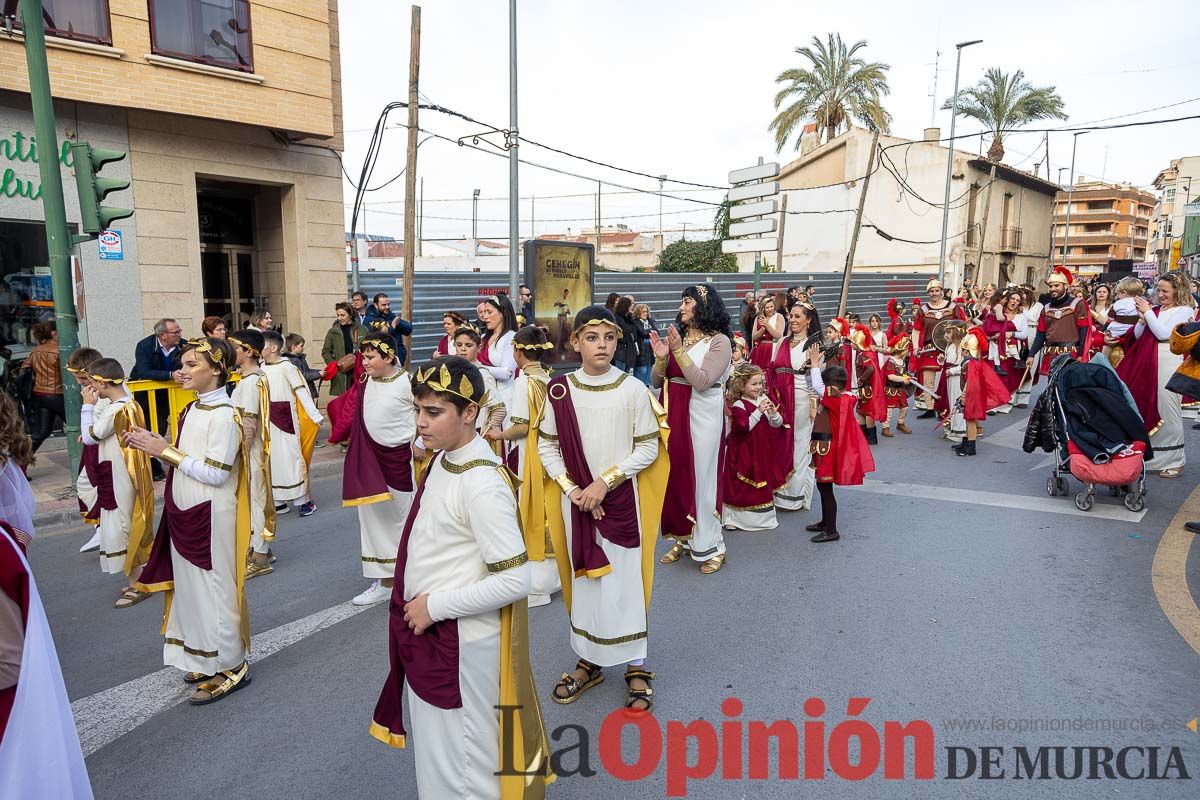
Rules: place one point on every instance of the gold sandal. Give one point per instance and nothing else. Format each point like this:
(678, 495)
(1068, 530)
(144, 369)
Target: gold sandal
(254, 569)
(672, 555)
(576, 687)
(192, 678)
(633, 695)
(712, 565)
(222, 684)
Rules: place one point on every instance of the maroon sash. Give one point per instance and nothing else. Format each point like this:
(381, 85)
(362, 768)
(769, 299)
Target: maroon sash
(106, 496)
(428, 662)
(189, 530)
(87, 466)
(620, 522)
(679, 512)
(1139, 370)
(370, 467)
(14, 583)
(281, 415)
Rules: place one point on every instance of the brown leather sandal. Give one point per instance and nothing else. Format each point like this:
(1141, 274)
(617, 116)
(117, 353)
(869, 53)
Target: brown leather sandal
(574, 687)
(635, 695)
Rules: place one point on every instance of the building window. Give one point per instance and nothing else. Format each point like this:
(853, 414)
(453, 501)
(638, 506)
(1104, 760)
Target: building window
(1169, 194)
(85, 20)
(215, 32)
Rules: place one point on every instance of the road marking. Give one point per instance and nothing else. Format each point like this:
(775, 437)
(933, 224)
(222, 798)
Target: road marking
(106, 716)
(1169, 573)
(1064, 505)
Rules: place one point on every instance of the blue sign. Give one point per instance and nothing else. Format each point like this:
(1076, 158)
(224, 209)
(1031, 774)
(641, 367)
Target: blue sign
(111, 247)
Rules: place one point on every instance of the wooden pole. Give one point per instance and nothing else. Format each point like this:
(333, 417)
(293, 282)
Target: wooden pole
(862, 201)
(597, 222)
(981, 275)
(410, 176)
(782, 230)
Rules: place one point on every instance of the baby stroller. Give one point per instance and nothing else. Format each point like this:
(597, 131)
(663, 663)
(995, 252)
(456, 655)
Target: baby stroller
(1095, 431)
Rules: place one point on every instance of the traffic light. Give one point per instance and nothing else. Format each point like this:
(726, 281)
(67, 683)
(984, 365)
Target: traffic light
(95, 218)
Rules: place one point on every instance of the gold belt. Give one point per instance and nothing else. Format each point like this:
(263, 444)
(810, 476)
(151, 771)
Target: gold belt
(680, 381)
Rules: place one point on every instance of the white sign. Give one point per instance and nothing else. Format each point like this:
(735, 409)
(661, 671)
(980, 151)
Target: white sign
(752, 227)
(767, 243)
(756, 173)
(758, 209)
(1146, 269)
(111, 246)
(753, 190)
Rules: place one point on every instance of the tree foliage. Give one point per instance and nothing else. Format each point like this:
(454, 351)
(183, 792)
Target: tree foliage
(835, 87)
(692, 255)
(1003, 101)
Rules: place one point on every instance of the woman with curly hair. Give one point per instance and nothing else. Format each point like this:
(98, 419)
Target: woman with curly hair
(691, 367)
(16, 456)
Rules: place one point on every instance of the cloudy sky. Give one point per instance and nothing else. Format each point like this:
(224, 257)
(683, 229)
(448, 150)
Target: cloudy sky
(686, 90)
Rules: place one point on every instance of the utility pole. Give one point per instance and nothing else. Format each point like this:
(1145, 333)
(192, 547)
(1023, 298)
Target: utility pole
(1070, 192)
(514, 199)
(662, 179)
(981, 275)
(950, 158)
(474, 226)
(862, 201)
(410, 176)
(597, 221)
(421, 218)
(58, 236)
(533, 217)
(782, 231)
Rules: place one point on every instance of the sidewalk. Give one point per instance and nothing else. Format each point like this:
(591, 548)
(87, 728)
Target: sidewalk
(53, 488)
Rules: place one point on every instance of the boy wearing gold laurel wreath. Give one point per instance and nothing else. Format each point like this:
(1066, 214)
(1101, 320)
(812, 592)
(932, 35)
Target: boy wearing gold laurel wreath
(123, 482)
(252, 399)
(294, 422)
(458, 622)
(377, 476)
(199, 553)
(599, 441)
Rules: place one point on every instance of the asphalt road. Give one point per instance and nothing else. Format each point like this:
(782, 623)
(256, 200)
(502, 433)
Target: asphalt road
(982, 599)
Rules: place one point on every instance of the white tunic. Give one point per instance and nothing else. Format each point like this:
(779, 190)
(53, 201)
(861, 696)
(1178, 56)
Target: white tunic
(706, 418)
(289, 472)
(246, 399)
(391, 420)
(203, 629)
(114, 525)
(796, 494)
(618, 428)
(494, 410)
(1168, 440)
(500, 354)
(467, 553)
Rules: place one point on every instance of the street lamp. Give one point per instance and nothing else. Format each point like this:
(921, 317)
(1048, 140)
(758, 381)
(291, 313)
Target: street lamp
(474, 224)
(514, 200)
(950, 158)
(1070, 191)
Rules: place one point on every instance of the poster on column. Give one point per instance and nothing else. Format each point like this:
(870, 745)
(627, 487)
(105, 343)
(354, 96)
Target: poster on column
(560, 276)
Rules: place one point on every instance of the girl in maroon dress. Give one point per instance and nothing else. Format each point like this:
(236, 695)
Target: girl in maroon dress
(755, 427)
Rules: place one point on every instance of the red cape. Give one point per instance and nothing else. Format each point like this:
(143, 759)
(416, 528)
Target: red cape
(1139, 370)
(984, 391)
(851, 455)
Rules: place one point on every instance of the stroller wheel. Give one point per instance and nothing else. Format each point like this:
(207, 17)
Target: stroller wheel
(1084, 501)
(1051, 486)
(1062, 485)
(1135, 501)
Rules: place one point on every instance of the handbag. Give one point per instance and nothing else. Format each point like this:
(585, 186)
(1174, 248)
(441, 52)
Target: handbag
(22, 383)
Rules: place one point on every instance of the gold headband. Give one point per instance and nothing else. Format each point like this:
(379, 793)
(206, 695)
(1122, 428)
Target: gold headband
(102, 379)
(542, 346)
(439, 378)
(244, 346)
(703, 292)
(203, 346)
(377, 344)
(597, 322)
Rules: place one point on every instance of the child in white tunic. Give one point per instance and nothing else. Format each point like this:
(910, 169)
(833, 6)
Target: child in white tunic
(289, 466)
(125, 486)
(389, 422)
(251, 398)
(458, 621)
(491, 415)
(524, 412)
(199, 553)
(599, 441)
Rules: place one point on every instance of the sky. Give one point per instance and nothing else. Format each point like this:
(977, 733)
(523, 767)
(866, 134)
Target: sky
(687, 90)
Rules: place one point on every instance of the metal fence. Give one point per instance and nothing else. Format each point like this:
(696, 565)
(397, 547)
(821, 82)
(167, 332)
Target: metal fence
(438, 292)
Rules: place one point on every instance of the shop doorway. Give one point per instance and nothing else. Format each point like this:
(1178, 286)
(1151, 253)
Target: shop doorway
(228, 251)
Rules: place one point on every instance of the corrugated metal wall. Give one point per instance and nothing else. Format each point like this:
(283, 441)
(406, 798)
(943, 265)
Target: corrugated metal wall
(437, 292)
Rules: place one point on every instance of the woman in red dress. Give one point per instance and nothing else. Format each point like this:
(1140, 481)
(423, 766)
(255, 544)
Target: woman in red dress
(768, 328)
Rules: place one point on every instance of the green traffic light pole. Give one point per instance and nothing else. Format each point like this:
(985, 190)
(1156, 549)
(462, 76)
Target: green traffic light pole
(58, 235)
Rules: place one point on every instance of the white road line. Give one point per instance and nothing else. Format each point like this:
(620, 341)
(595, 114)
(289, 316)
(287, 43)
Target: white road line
(108, 715)
(1104, 508)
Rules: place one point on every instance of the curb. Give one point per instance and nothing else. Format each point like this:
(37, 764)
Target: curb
(70, 513)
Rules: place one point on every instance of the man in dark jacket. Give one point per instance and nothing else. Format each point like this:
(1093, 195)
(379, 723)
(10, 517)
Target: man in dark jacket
(380, 317)
(157, 358)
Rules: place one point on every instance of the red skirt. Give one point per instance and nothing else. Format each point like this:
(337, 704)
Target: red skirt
(760, 356)
(823, 467)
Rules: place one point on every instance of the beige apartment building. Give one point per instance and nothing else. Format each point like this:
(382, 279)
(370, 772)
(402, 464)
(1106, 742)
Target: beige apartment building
(1174, 185)
(1108, 222)
(230, 111)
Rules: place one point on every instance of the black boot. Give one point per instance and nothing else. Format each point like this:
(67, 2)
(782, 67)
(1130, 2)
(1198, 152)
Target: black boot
(927, 414)
(967, 449)
(872, 435)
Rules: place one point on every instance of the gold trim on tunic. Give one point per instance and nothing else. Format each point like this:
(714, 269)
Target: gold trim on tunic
(631, 637)
(604, 387)
(508, 563)
(217, 464)
(372, 560)
(191, 650)
(459, 469)
(645, 437)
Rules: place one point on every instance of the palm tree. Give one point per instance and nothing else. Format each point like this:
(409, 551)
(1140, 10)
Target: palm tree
(836, 87)
(1005, 101)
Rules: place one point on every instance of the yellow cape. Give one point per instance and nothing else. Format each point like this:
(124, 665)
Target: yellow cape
(137, 463)
(651, 490)
(532, 490)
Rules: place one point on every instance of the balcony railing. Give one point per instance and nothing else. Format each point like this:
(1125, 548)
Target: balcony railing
(1010, 240)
